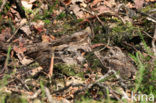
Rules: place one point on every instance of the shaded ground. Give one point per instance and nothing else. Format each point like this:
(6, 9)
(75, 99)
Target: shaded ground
(77, 51)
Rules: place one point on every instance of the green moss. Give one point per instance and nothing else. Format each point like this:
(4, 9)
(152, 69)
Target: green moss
(69, 70)
(34, 65)
(11, 98)
(122, 32)
(148, 8)
(93, 61)
(66, 69)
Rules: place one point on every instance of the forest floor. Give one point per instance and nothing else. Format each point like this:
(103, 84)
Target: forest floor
(77, 51)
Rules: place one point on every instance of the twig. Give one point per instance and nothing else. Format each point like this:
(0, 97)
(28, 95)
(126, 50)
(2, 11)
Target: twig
(92, 29)
(107, 45)
(3, 4)
(23, 83)
(66, 87)
(51, 65)
(153, 42)
(6, 61)
(130, 45)
(50, 99)
(148, 35)
(115, 95)
(14, 33)
(35, 95)
(97, 17)
(144, 14)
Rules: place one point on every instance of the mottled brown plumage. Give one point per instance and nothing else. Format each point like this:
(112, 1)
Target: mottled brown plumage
(115, 59)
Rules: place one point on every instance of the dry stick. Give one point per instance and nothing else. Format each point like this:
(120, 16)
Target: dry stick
(115, 95)
(51, 65)
(99, 20)
(130, 45)
(6, 61)
(23, 83)
(35, 95)
(67, 87)
(144, 14)
(91, 26)
(50, 99)
(3, 4)
(14, 33)
(148, 35)
(153, 42)
(95, 16)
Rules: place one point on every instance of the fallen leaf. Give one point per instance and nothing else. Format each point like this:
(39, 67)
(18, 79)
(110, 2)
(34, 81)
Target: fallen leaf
(139, 3)
(77, 11)
(67, 2)
(77, 6)
(45, 38)
(23, 21)
(97, 45)
(38, 26)
(105, 7)
(19, 50)
(26, 30)
(52, 37)
(5, 34)
(129, 5)
(95, 2)
(102, 9)
(15, 15)
(26, 4)
(25, 61)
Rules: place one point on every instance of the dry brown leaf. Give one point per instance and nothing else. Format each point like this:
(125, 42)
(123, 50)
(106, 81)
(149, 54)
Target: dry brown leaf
(46, 38)
(110, 3)
(95, 2)
(67, 2)
(102, 9)
(139, 3)
(25, 61)
(77, 11)
(106, 7)
(15, 14)
(77, 6)
(52, 37)
(97, 45)
(38, 26)
(27, 4)
(129, 5)
(19, 50)
(23, 21)
(5, 34)
(26, 30)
